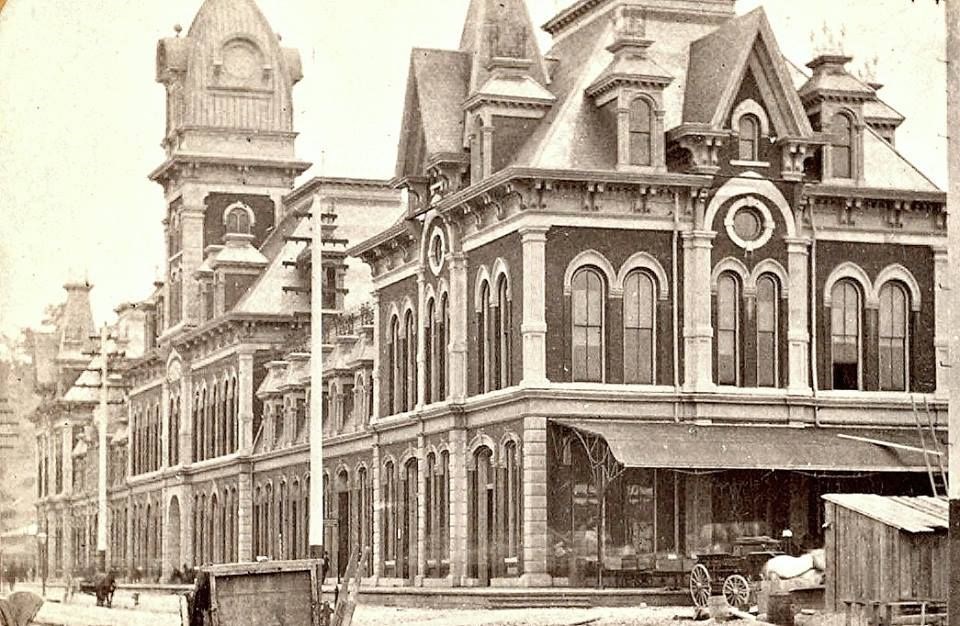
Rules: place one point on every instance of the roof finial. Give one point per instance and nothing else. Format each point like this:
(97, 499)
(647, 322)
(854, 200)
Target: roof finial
(828, 43)
(177, 28)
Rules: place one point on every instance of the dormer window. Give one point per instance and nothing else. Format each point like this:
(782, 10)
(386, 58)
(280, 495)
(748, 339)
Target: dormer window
(749, 132)
(841, 146)
(239, 219)
(640, 132)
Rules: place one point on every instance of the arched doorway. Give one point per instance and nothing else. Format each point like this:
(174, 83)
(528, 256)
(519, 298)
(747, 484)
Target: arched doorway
(343, 521)
(480, 516)
(173, 535)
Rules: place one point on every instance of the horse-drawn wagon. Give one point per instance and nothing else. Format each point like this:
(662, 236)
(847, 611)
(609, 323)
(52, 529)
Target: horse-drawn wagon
(736, 574)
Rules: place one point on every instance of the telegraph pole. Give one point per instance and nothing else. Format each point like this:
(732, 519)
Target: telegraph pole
(317, 505)
(953, 233)
(102, 455)
(4, 422)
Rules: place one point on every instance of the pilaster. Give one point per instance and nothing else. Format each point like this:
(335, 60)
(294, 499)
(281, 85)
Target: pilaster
(164, 424)
(421, 510)
(458, 506)
(66, 459)
(377, 516)
(375, 372)
(798, 333)
(533, 329)
(245, 514)
(245, 390)
(941, 339)
(421, 343)
(535, 532)
(186, 420)
(458, 327)
(191, 223)
(697, 315)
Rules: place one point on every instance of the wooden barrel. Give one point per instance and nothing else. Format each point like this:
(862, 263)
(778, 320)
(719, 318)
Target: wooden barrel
(780, 609)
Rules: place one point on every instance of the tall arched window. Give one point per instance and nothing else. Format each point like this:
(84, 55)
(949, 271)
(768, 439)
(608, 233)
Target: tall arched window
(894, 330)
(389, 512)
(640, 132)
(410, 375)
(846, 314)
(502, 361)
(728, 329)
(513, 500)
(588, 324)
(444, 339)
(749, 132)
(841, 146)
(484, 340)
(639, 312)
(430, 337)
(768, 315)
(395, 367)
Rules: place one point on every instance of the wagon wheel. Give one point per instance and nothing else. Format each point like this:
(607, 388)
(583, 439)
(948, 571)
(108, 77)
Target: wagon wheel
(736, 590)
(700, 585)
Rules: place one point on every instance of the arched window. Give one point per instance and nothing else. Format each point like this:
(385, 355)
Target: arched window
(444, 339)
(358, 399)
(484, 332)
(768, 315)
(728, 329)
(640, 132)
(389, 512)
(502, 347)
(845, 341)
(749, 132)
(430, 337)
(410, 375)
(395, 367)
(476, 149)
(841, 146)
(894, 327)
(588, 324)
(238, 221)
(639, 313)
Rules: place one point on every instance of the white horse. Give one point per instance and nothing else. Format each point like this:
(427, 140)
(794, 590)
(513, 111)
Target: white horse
(785, 567)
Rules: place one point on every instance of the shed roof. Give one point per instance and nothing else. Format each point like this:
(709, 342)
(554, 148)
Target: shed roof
(912, 515)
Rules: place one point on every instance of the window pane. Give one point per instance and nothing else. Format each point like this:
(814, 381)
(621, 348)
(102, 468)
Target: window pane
(766, 359)
(749, 133)
(640, 148)
(766, 305)
(594, 299)
(645, 357)
(639, 116)
(631, 356)
(727, 303)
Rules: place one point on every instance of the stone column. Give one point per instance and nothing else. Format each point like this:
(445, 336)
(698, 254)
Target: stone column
(421, 511)
(377, 555)
(186, 420)
(422, 381)
(535, 543)
(245, 392)
(165, 433)
(457, 348)
(457, 499)
(486, 136)
(533, 329)
(798, 327)
(191, 226)
(697, 314)
(245, 514)
(941, 339)
(66, 458)
(378, 361)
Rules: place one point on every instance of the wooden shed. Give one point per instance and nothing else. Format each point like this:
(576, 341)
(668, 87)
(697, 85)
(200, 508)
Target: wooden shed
(885, 549)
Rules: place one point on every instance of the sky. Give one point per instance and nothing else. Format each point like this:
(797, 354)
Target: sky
(81, 117)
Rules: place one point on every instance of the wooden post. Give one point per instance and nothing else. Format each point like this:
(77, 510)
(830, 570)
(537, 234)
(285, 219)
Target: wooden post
(953, 232)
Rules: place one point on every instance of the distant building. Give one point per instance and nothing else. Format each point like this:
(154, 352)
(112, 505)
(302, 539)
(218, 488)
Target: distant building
(209, 450)
(660, 248)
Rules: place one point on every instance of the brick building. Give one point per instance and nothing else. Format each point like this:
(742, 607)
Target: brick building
(209, 450)
(661, 251)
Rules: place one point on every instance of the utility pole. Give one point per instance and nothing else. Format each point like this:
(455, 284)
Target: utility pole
(4, 436)
(102, 454)
(317, 505)
(953, 234)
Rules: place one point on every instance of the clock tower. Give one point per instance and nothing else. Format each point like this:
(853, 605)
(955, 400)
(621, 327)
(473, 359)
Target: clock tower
(229, 144)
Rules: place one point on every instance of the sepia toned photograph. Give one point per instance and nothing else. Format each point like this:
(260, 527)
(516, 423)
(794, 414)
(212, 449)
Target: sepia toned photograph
(479, 312)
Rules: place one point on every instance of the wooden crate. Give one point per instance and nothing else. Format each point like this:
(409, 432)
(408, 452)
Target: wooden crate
(273, 593)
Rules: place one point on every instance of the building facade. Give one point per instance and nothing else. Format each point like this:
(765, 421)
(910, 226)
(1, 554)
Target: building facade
(209, 453)
(656, 291)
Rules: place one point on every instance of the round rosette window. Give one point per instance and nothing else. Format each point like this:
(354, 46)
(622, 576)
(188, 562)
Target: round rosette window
(749, 223)
(437, 250)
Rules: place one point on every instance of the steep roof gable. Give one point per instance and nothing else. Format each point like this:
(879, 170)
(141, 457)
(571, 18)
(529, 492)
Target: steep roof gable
(432, 116)
(720, 61)
(499, 28)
